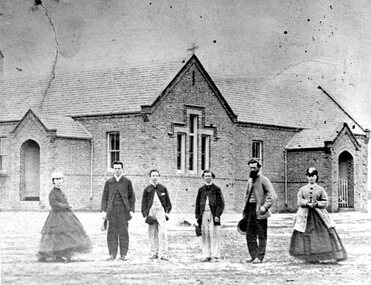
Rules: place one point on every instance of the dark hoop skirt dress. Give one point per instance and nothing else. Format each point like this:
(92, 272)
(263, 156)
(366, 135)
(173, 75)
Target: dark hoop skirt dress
(62, 234)
(318, 242)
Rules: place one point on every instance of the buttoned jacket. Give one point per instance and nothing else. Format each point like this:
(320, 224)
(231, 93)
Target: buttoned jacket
(264, 194)
(125, 188)
(58, 200)
(148, 195)
(216, 202)
(312, 194)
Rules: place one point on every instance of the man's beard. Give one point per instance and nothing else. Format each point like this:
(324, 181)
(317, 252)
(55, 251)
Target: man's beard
(253, 174)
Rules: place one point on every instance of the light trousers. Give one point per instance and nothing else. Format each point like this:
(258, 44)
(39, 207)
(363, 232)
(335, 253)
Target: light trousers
(157, 232)
(210, 236)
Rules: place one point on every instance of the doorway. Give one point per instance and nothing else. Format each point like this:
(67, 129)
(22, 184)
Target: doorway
(30, 171)
(346, 181)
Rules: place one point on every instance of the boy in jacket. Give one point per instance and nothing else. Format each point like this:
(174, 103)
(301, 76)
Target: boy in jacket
(209, 208)
(156, 206)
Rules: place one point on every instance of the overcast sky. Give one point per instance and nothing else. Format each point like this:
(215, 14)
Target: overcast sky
(325, 42)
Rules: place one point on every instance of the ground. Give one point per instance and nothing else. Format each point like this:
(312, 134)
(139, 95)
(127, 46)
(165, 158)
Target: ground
(20, 236)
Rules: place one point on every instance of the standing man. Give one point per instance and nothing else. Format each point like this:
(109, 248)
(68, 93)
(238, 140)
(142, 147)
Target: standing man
(209, 208)
(118, 203)
(156, 204)
(260, 196)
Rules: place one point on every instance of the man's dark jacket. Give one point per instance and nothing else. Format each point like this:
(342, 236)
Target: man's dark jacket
(148, 195)
(216, 202)
(125, 188)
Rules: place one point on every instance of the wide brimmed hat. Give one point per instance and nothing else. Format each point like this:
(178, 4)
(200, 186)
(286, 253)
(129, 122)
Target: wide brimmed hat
(104, 225)
(150, 220)
(312, 171)
(57, 174)
(242, 226)
(198, 230)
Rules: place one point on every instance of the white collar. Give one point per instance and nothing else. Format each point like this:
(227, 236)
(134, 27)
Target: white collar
(117, 177)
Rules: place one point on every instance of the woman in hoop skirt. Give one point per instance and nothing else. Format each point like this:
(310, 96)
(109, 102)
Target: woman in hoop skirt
(62, 234)
(314, 238)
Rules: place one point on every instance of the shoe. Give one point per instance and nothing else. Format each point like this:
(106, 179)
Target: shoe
(111, 257)
(123, 258)
(257, 260)
(164, 258)
(41, 259)
(251, 260)
(206, 259)
(59, 259)
(155, 256)
(313, 262)
(68, 258)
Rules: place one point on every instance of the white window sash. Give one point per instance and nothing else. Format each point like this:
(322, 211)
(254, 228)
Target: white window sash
(206, 156)
(195, 144)
(259, 155)
(182, 152)
(110, 151)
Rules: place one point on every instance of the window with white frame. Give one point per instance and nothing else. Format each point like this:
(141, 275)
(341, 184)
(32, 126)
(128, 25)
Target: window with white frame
(193, 150)
(257, 151)
(180, 151)
(205, 152)
(113, 148)
(193, 141)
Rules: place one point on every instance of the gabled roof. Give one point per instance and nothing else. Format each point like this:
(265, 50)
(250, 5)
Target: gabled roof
(20, 95)
(125, 89)
(193, 60)
(64, 126)
(282, 104)
(109, 91)
(319, 138)
(91, 92)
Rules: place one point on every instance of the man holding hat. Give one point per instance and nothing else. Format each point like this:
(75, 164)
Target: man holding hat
(118, 203)
(260, 196)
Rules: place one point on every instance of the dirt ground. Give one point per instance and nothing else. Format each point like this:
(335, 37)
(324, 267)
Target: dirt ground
(20, 236)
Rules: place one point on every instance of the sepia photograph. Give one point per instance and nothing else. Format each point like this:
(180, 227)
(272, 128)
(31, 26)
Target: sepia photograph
(185, 142)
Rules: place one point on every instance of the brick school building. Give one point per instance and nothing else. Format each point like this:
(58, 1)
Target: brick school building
(175, 117)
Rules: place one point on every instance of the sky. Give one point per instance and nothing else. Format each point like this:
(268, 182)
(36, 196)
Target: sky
(322, 42)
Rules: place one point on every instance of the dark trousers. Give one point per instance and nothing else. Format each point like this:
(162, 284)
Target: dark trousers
(256, 234)
(117, 233)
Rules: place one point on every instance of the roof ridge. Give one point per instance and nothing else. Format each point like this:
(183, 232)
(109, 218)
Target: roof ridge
(126, 65)
(236, 77)
(341, 107)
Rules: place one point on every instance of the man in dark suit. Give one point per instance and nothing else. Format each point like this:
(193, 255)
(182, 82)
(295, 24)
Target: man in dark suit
(118, 203)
